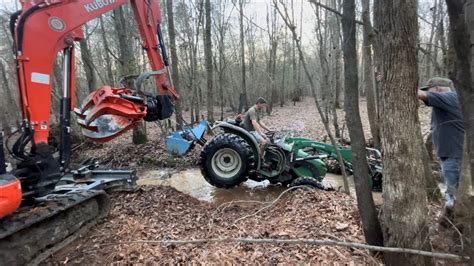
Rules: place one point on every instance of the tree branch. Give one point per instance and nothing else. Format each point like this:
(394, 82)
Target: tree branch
(297, 241)
(114, 56)
(332, 10)
(269, 205)
(427, 22)
(249, 20)
(430, 57)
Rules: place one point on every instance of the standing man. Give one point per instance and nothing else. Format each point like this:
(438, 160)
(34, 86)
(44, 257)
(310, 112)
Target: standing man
(448, 131)
(253, 124)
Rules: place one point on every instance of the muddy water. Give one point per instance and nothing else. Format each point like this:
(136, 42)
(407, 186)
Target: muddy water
(191, 182)
(336, 181)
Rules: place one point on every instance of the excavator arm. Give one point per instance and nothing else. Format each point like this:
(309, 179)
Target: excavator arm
(44, 28)
(59, 202)
(41, 30)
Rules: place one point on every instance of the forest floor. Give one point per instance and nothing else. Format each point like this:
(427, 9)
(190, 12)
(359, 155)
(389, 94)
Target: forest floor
(163, 210)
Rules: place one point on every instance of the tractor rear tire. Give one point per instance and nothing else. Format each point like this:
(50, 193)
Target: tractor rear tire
(307, 181)
(226, 160)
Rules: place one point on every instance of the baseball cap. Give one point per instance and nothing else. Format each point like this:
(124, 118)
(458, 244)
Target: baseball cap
(437, 81)
(261, 100)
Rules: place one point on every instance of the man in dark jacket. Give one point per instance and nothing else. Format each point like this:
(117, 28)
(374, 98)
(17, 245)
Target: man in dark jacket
(448, 131)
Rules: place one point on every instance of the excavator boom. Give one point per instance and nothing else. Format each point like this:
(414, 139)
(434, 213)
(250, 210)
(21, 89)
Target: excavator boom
(58, 202)
(44, 28)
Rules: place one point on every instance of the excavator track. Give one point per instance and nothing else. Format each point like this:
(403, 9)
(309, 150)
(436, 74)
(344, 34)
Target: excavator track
(33, 233)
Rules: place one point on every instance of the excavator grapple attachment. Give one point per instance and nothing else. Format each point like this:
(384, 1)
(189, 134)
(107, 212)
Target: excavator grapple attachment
(109, 112)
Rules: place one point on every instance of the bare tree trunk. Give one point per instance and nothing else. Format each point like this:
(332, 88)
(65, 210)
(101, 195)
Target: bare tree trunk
(208, 59)
(335, 35)
(296, 97)
(108, 60)
(128, 63)
(251, 51)
(221, 64)
(430, 49)
(273, 69)
(198, 104)
(124, 34)
(368, 213)
(463, 208)
(323, 64)
(87, 60)
(221, 92)
(377, 62)
(338, 59)
(463, 36)
(437, 67)
(367, 42)
(293, 55)
(12, 112)
(442, 40)
(195, 84)
(56, 91)
(281, 91)
(272, 57)
(192, 108)
(404, 209)
(174, 60)
(242, 53)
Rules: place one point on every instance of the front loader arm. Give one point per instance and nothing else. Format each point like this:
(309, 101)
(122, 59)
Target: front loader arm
(45, 28)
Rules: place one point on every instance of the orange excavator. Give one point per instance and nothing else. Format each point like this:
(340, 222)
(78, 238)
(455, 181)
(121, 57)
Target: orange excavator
(43, 203)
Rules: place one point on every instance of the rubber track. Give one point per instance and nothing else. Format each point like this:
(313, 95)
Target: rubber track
(229, 139)
(32, 233)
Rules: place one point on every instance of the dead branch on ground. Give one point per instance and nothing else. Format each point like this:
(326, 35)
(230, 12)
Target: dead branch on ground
(298, 241)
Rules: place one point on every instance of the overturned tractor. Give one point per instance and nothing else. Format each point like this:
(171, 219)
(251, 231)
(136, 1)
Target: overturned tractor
(233, 156)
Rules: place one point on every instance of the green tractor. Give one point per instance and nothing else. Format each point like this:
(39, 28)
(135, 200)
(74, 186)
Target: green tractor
(233, 156)
(374, 158)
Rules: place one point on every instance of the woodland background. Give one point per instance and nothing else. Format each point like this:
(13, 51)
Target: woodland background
(225, 54)
(252, 53)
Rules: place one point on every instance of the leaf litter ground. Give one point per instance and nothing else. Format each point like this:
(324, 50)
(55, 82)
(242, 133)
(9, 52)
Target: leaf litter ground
(159, 212)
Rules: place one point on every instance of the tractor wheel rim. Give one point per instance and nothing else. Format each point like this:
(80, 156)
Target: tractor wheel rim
(226, 163)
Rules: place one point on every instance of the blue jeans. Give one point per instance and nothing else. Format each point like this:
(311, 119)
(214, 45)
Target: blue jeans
(451, 168)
